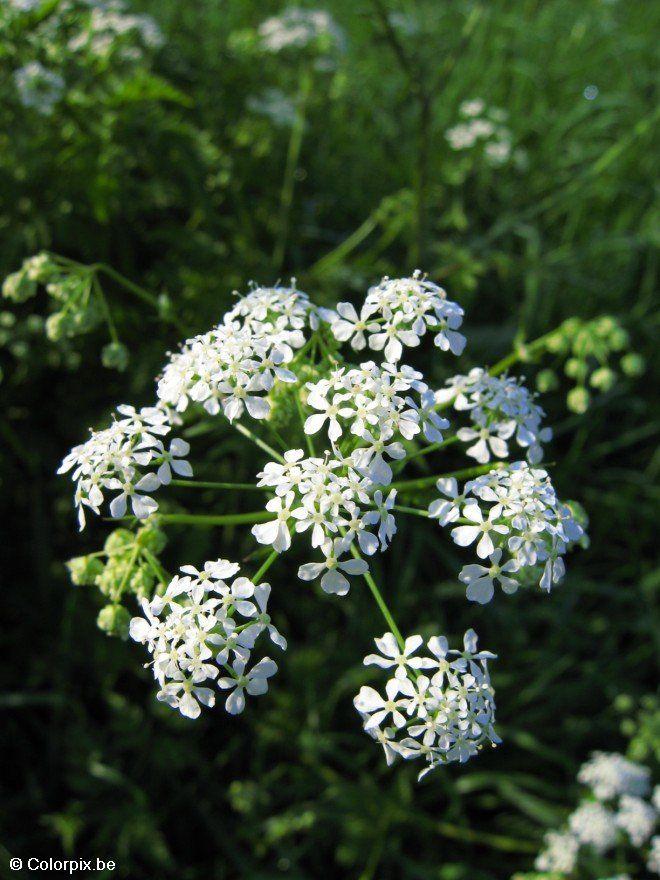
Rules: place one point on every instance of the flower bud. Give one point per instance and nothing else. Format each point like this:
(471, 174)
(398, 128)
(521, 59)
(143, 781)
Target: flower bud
(114, 620)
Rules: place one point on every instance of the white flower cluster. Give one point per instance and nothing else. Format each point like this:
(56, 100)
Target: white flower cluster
(559, 854)
(356, 422)
(500, 408)
(203, 625)
(397, 313)
(112, 458)
(275, 105)
(25, 5)
(38, 87)
(617, 812)
(485, 126)
(109, 20)
(439, 708)
(512, 510)
(236, 364)
(339, 498)
(298, 28)
(609, 774)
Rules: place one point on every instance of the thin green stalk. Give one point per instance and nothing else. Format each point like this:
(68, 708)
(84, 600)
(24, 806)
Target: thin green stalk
(382, 605)
(106, 309)
(432, 448)
(465, 474)
(139, 292)
(308, 439)
(264, 568)
(293, 155)
(246, 432)
(522, 352)
(207, 484)
(222, 519)
(416, 511)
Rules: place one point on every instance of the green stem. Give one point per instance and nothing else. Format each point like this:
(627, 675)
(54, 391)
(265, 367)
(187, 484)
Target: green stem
(465, 474)
(522, 352)
(293, 155)
(432, 448)
(206, 484)
(264, 568)
(416, 511)
(106, 309)
(308, 439)
(229, 519)
(382, 605)
(139, 292)
(246, 432)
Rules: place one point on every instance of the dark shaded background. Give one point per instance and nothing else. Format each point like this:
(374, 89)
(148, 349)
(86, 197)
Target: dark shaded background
(182, 191)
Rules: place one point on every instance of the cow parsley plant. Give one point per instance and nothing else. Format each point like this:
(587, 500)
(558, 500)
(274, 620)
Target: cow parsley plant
(336, 411)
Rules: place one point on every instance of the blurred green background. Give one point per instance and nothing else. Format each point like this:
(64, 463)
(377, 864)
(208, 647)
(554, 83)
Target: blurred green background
(200, 158)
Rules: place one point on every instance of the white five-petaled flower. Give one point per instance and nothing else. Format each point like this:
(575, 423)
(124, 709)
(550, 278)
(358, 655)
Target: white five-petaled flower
(333, 580)
(392, 655)
(255, 682)
(481, 529)
(481, 579)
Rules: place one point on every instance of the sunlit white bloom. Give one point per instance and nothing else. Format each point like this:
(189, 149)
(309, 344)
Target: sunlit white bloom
(609, 774)
(298, 28)
(333, 568)
(593, 824)
(450, 714)
(254, 682)
(234, 366)
(112, 460)
(481, 579)
(392, 656)
(512, 510)
(637, 818)
(560, 853)
(38, 87)
(193, 631)
(501, 409)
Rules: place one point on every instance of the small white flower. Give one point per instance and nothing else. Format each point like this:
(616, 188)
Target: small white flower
(391, 655)
(276, 531)
(481, 579)
(333, 581)
(255, 682)
(382, 517)
(466, 535)
(172, 460)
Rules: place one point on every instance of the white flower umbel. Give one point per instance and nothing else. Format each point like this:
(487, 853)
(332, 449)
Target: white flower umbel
(275, 356)
(300, 28)
(234, 366)
(113, 460)
(560, 853)
(594, 825)
(396, 313)
(515, 522)
(637, 818)
(609, 774)
(434, 709)
(501, 409)
(201, 626)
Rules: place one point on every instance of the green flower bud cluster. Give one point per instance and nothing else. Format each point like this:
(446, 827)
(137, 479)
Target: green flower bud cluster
(127, 565)
(22, 285)
(77, 302)
(589, 350)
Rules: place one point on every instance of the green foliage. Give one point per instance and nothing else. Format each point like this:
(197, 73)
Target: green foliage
(198, 164)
